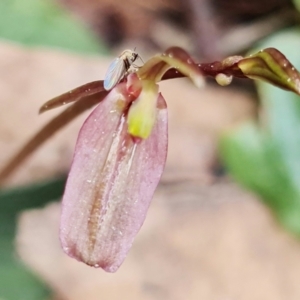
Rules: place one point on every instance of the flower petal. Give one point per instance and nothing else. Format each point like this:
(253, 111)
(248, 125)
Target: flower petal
(174, 57)
(142, 113)
(272, 66)
(111, 184)
(76, 94)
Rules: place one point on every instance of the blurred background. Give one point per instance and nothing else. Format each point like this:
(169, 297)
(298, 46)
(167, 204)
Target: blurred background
(224, 223)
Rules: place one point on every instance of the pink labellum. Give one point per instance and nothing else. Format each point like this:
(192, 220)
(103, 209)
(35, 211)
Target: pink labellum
(111, 183)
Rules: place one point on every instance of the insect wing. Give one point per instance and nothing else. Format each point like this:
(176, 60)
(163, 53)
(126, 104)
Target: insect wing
(114, 74)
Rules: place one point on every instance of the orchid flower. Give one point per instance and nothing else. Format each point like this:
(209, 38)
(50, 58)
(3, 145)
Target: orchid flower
(122, 147)
(119, 158)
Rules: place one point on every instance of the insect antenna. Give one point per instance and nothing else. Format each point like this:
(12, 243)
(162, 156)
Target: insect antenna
(134, 50)
(141, 59)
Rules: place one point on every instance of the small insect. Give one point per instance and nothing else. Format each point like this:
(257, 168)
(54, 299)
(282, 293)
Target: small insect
(119, 68)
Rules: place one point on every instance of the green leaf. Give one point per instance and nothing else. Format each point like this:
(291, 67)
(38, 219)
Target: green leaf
(16, 281)
(267, 160)
(297, 4)
(42, 22)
